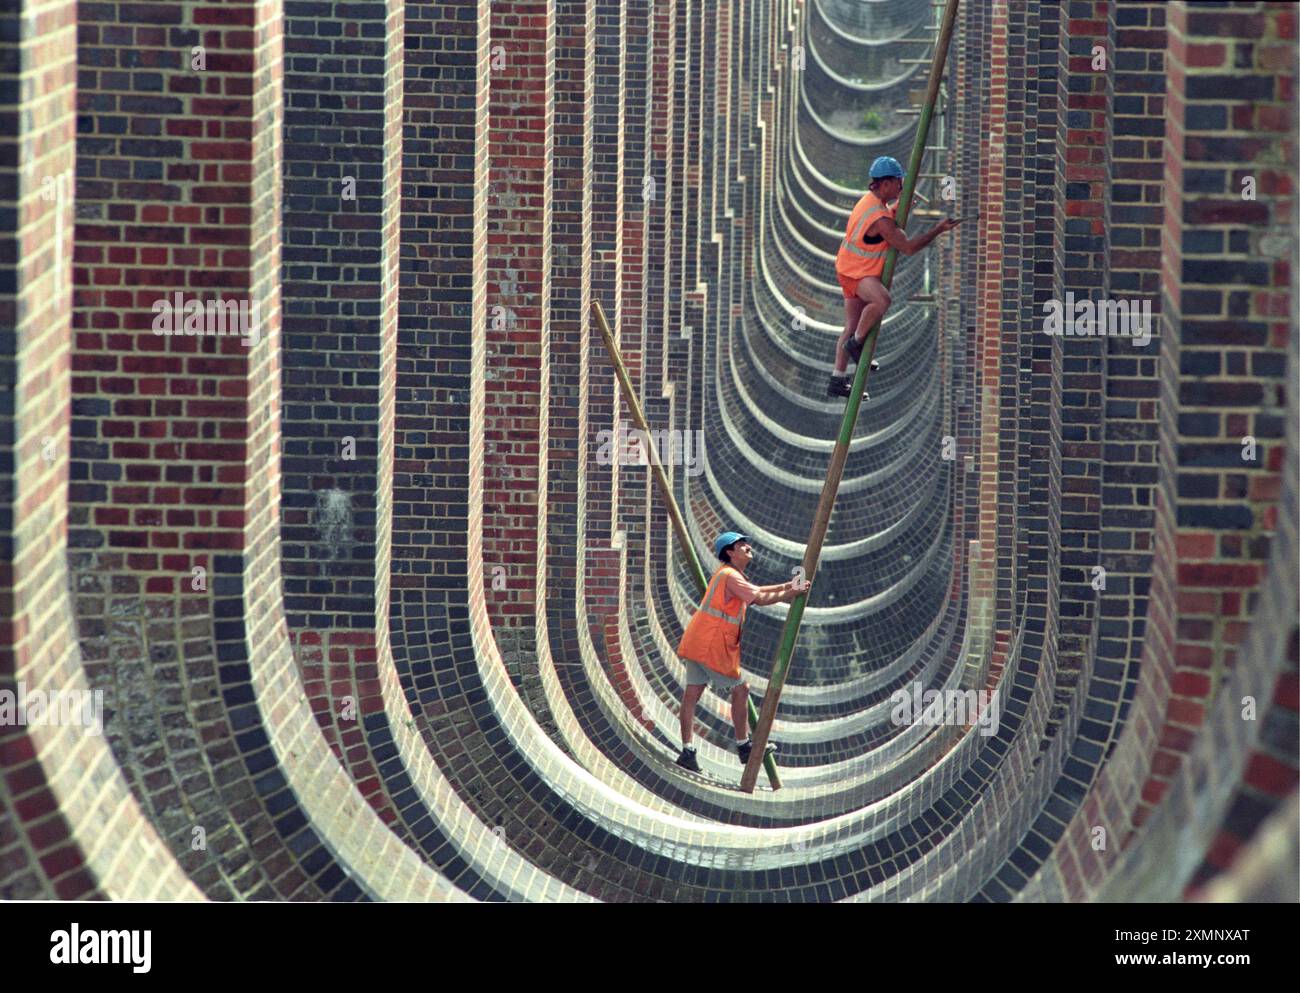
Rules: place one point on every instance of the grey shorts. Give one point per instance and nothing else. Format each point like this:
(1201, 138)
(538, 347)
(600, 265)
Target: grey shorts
(698, 675)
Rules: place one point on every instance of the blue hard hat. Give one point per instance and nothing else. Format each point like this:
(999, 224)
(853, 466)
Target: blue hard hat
(726, 540)
(886, 166)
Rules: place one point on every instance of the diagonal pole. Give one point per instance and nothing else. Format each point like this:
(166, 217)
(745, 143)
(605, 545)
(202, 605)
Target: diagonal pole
(674, 514)
(840, 455)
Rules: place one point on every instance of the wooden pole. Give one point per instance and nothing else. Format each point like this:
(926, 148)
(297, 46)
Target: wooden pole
(674, 514)
(839, 456)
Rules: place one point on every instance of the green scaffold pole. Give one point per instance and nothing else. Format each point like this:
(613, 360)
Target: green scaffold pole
(674, 514)
(763, 728)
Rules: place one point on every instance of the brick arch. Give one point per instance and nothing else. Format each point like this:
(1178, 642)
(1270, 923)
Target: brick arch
(60, 782)
(176, 504)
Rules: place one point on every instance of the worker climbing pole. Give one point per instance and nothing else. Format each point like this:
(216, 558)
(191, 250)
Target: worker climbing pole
(665, 491)
(785, 650)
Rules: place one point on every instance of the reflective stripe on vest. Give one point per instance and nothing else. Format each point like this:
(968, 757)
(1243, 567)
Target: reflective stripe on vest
(708, 599)
(869, 217)
(713, 645)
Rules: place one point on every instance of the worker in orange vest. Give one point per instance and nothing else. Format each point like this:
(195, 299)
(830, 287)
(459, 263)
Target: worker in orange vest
(870, 234)
(710, 646)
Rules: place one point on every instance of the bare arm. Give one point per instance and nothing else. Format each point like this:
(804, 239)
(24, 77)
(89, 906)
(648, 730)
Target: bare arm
(894, 237)
(782, 593)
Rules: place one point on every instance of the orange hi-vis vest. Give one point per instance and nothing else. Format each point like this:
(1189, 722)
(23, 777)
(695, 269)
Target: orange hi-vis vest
(712, 638)
(857, 258)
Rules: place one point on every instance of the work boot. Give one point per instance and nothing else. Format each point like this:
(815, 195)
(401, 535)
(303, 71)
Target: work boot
(745, 747)
(853, 348)
(842, 386)
(687, 760)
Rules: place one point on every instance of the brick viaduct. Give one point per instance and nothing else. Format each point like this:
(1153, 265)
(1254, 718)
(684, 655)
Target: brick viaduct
(374, 615)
